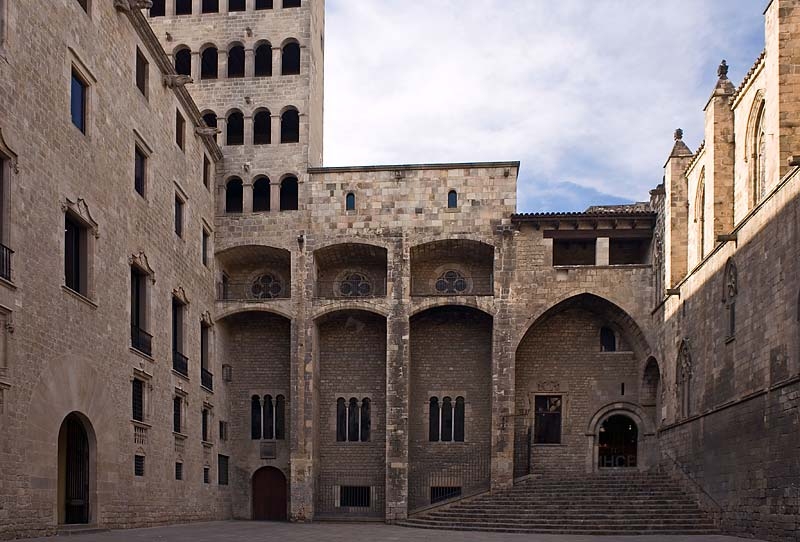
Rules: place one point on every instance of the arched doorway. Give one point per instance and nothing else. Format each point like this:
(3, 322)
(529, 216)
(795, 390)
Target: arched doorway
(74, 470)
(269, 495)
(618, 443)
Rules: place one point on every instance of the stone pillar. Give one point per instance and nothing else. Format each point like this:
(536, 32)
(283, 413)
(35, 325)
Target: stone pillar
(275, 128)
(719, 161)
(169, 8)
(274, 195)
(276, 59)
(196, 61)
(222, 125)
(222, 64)
(601, 254)
(248, 130)
(676, 213)
(249, 62)
(223, 6)
(197, 7)
(247, 196)
(250, 5)
(398, 363)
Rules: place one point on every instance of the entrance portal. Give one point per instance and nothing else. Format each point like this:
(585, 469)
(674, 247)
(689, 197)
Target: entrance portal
(74, 463)
(618, 441)
(269, 495)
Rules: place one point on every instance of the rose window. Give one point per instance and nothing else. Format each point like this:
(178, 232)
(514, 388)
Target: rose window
(355, 285)
(266, 287)
(451, 282)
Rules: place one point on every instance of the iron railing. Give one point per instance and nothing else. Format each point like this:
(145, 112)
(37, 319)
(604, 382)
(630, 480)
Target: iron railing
(522, 450)
(180, 363)
(5, 262)
(452, 285)
(252, 291)
(351, 289)
(433, 485)
(206, 379)
(351, 495)
(141, 340)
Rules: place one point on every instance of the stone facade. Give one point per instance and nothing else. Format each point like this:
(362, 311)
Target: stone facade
(333, 305)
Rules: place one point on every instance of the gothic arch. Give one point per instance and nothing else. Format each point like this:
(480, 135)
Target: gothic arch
(754, 151)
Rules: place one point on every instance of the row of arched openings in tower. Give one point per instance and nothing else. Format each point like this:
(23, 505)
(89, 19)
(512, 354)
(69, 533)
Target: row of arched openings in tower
(262, 126)
(184, 7)
(268, 419)
(262, 200)
(262, 60)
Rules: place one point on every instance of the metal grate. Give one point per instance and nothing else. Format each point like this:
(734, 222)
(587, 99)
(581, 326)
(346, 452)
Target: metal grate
(138, 465)
(137, 393)
(179, 471)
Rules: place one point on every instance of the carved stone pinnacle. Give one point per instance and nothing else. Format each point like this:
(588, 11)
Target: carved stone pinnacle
(678, 135)
(722, 71)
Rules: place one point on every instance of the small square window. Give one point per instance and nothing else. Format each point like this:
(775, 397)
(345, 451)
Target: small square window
(138, 465)
(78, 98)
(180, 128)
(179, 216)
(139, 170)
(206, 475)
(142, 72)
(179, 471)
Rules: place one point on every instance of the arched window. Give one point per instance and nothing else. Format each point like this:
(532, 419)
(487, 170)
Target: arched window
(341, 420)
(433, 420)
(236, 61)
(451, 282)
(684, 380)
(183, 7)
(280, 417)
(291, 3)
(700, 214)
(209, 60)
(447, 419)
(289, 194)
(290, 126)
(261, 195)
(233, 196)
(352, 420)
(263, 60)
(269, 418)
(458, 421)
(255, 417)
(183, 61)
(262, 125)
(263, 4)
(608, 340)
(210, 118)
(236, 5)
(366, 420)
(210, 6)
(452, 199)
(730, 291)
(759, 157)
(350, 202)
(158, 8)
(235, 129)
(355, 285)
(290, 59)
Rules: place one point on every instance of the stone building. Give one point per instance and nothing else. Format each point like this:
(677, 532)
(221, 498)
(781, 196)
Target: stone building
(227, 329)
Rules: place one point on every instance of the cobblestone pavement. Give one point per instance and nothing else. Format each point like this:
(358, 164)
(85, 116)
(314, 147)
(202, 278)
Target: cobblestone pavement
(249, 531)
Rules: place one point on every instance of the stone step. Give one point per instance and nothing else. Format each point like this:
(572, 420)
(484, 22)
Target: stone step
(632, 530)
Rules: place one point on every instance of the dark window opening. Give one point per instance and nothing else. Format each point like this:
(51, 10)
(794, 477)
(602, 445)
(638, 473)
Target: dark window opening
(84, 4)
(140, 339)
(139, 170)
(350, 202)
(137, 393)
(204, 257)
(353, 420)
(223, 430)
(180, 362)
(158, 8)
(204, 425)
(452, 199)
(290, 59)
(366, 420)
(291, 3)
(458, 420)
(574, 251)
(209, 63)
(263, 60)
(236, 5)
(75, 255)
(210, 6)
(433, 420)
(183, 62)
(204, 333)
(207, 166)
(142, 72)
(235, 130)
(608, 340)
(269, 418)
(78, 101)
(178, 216)
(206, 475)
(442, 493)
(341, 420)
(236, 61)
(262, 126)
(255, 417)
(289, 194)
(261, 195)
(138, 465)
(628, 251)
(211, 121)
(547, 422)
(233, 196)
(180, 129)
(290, 126)
(179, 471)
(280, 417)
(354, 496)
(183, 7)
(222, 470)
(447, 420)
(263, 4)
(177, 408)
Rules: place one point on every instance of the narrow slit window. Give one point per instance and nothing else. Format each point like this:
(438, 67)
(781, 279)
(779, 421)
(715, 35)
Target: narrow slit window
(350, 202)
(142, 72)
(78, 100)
(452, 199)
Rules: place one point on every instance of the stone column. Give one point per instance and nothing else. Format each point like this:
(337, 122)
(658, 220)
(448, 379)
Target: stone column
(248, 129)
(275, 128)
(249, 62)
(222, 64)
(601, 255)
(398, 361)
(197, 7)
(276, 59)
(223, 6)
(247, 196)
(169, 8)
(250, 5)
(274, 195)
(222, 125)
(196, 60)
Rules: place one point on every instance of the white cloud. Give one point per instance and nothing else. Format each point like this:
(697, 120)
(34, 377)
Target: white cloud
(586, 93)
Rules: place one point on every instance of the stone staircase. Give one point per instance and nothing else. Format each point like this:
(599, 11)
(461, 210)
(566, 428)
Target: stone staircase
(607, 503)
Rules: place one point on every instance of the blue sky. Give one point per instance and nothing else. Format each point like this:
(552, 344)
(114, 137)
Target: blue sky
(585, 93)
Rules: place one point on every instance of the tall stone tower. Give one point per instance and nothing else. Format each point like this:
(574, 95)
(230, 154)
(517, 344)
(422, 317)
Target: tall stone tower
(257, 71)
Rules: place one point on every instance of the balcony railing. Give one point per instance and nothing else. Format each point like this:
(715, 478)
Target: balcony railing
(351, 289)
(141, 340)
(180, 363)
(252, 291)
(452, 284)
(206, 379)
(5, 262)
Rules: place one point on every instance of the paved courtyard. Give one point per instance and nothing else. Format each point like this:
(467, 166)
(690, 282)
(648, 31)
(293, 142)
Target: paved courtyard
(248, 531)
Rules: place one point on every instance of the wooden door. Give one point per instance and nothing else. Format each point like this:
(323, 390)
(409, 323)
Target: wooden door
(269, 495)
